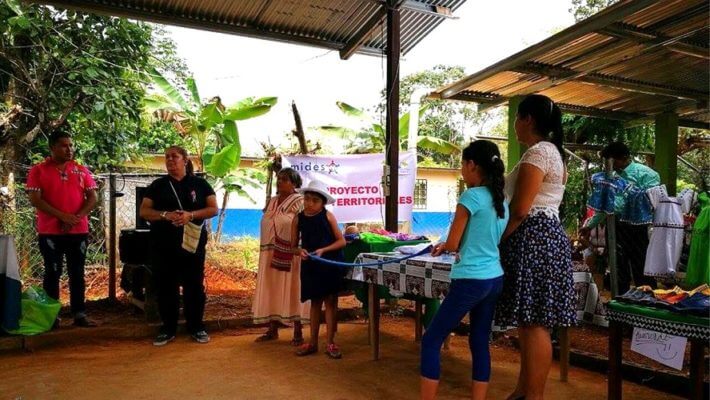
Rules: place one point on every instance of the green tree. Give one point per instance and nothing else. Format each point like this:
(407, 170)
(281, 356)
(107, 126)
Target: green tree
(582, 9)
(212, 127)
(444, 119)
(60, 66)
(157, 135)
(371, 137)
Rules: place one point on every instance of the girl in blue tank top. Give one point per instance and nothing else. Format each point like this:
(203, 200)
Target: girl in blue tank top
(476, 276)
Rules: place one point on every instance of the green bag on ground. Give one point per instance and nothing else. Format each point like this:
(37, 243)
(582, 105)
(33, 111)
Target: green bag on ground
(38, 312)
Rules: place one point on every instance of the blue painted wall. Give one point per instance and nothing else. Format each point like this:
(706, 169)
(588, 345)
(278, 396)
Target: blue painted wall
(245, 222)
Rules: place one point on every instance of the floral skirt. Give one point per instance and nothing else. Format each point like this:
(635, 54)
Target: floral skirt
(538, 288)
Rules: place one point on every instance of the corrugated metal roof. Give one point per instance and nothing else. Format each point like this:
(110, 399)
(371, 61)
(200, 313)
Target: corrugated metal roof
(331, 24)
(635, 59)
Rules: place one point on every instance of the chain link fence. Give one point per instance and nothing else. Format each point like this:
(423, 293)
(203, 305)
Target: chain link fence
(17, 219)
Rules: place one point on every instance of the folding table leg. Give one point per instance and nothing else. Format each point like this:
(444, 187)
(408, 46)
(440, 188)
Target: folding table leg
(418, 320)
(374, 318)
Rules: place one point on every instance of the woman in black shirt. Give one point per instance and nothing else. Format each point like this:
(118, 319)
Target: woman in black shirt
(171, 203)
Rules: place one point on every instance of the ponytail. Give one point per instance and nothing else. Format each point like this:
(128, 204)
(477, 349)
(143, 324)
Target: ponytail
(189, 168)
(548, 119)
(495, 182)
(486, 155)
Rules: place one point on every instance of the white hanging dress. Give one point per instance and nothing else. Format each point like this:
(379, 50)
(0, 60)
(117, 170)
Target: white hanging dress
(666, 244)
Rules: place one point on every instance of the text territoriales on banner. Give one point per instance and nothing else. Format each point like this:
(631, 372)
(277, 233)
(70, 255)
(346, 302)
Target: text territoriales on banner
(355, 181)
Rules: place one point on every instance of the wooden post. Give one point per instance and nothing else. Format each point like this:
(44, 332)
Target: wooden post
(515, 150)
(392, 120)
(614, 374)
(563, 333)
(611, 241)
(112, 237)
(697, 369)
(667, 150)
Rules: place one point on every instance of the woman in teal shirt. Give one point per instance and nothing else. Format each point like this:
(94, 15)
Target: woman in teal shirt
(477, 276)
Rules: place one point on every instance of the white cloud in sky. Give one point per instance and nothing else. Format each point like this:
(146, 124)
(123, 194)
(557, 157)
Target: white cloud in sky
(235, 67)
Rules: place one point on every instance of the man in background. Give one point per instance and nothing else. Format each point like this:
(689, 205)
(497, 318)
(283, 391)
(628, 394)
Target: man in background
(631, 239)
(64, 193)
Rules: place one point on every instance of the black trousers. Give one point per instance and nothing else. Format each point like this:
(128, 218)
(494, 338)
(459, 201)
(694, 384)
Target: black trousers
(631, 245)
(171, 270)
(54, 249)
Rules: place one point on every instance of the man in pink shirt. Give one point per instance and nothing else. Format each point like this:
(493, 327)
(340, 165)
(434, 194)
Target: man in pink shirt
(64, 193)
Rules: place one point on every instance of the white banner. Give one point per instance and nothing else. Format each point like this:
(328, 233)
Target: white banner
(355, 181)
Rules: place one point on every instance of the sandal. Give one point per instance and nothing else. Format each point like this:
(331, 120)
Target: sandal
(297, 341)
(333, 351)
(268, 336)
(306, 349)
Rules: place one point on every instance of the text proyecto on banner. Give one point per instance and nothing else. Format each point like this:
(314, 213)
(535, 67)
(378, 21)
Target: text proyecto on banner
(355, 183)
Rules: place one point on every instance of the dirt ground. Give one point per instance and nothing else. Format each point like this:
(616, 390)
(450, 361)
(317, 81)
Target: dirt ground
(232, 366)
(229, 293)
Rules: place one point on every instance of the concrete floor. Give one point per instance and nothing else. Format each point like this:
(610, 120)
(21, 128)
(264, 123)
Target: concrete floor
(232, 366)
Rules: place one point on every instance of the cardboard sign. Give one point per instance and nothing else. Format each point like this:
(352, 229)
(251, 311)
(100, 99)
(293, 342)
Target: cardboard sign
(666, 349)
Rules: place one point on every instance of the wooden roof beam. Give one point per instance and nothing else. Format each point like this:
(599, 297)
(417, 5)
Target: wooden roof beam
(615, 82)
(618, 11)
(593, 66)
(362, 35)
(640, 35)
(428, 9)
(420, 7)
(207, 23)
(689, 123)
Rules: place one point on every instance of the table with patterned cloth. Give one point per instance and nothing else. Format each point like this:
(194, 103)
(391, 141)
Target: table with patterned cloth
(424, 276)
(590, 305)
(428, 277)
(695, 328)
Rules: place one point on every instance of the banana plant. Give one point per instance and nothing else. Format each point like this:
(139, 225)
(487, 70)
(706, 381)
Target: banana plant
(236, 182)
(211, 124)
(372, 138)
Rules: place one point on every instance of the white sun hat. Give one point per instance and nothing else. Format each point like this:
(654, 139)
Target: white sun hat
(320, 188)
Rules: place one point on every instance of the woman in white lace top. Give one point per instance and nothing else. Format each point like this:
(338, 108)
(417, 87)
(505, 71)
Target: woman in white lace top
(538, 293)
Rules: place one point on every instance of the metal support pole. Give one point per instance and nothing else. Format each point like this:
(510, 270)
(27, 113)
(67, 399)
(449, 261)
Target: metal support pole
(112, 237)
(611, 239)
(392, 121)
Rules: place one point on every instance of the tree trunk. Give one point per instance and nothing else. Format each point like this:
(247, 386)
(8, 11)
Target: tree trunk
(299, 129)
(222, 215)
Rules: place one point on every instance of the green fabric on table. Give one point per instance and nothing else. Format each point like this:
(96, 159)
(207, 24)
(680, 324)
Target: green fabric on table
(657, 313)
(356, 247)
(372, 238)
